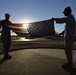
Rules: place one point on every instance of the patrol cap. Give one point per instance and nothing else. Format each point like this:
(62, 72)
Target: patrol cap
(67, 9)
(7, 14)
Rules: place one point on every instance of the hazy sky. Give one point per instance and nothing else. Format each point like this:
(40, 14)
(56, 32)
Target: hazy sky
(35, 10)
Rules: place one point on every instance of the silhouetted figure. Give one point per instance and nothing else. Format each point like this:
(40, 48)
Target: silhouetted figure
(6, 36)
(69, 34)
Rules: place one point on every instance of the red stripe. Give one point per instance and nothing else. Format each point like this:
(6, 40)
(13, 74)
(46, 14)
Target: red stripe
(25, 30)
(16, 24)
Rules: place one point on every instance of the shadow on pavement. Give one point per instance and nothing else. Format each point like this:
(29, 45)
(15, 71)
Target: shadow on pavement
(72, 70)
(3, 60)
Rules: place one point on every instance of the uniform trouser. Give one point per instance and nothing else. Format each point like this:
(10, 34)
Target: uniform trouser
(6, 44)
(68, 48)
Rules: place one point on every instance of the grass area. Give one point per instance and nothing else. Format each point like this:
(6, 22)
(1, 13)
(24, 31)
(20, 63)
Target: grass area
(16, 45)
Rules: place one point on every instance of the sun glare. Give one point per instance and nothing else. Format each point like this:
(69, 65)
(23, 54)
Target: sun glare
(25, 21)
(25, 25)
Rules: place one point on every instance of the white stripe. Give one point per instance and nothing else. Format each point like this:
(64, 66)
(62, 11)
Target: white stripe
(21, 31)
(16, 27)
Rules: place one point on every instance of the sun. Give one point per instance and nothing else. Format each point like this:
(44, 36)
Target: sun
(25, 25)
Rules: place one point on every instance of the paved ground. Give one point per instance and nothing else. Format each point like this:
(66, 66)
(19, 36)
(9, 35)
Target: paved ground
(37, 62)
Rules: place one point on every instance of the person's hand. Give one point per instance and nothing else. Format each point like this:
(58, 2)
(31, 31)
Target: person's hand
(53, 19)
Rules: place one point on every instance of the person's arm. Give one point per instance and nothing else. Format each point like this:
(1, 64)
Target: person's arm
(0, 24)
(63, 20)
(60, 20)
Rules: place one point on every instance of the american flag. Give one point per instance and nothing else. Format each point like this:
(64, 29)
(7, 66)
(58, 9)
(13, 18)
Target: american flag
(34, 29)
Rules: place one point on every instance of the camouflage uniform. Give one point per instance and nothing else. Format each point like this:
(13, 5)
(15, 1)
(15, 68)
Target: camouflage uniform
(69, 34)
(6, 36)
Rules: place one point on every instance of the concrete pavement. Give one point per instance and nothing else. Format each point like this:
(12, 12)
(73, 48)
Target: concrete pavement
(37, 62)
